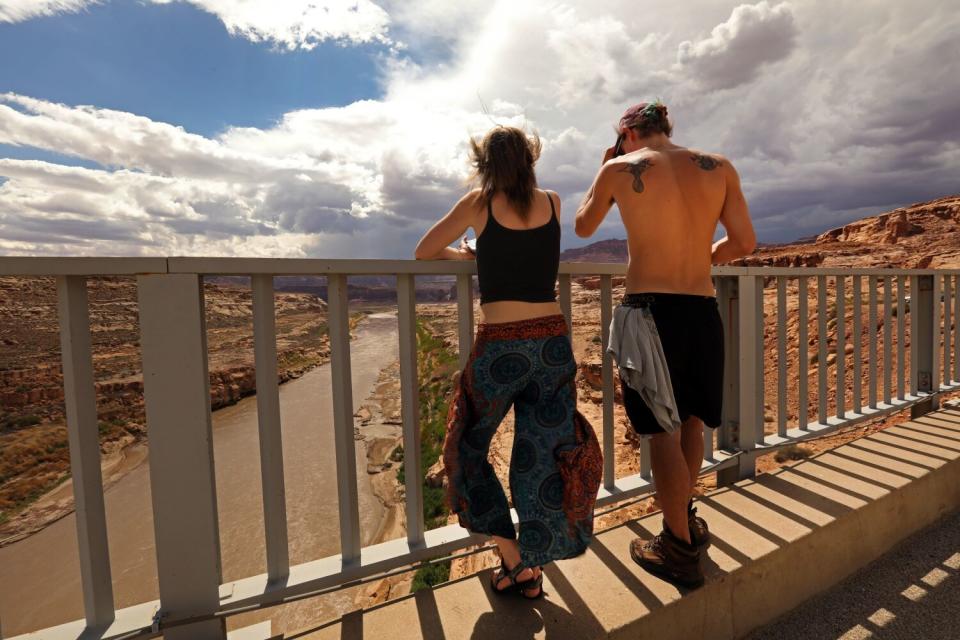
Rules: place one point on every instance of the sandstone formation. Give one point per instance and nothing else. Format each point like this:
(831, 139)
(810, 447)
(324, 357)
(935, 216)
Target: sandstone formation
(922, 235)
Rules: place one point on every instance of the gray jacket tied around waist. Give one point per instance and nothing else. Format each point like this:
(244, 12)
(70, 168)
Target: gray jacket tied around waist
(635, 345)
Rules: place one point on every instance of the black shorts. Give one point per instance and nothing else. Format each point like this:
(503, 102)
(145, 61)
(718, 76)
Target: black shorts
(691, 333)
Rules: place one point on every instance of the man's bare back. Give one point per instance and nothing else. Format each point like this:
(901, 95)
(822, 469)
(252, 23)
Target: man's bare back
(671, 199)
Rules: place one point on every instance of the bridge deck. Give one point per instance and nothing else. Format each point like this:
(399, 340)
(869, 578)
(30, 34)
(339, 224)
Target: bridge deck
(778, 540)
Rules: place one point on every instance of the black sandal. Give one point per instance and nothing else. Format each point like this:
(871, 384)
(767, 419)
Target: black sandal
(521, 586)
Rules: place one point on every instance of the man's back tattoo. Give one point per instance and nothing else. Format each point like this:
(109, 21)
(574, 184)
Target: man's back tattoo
(705, 162)
(636, 169)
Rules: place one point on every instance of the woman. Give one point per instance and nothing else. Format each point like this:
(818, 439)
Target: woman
(521, 358)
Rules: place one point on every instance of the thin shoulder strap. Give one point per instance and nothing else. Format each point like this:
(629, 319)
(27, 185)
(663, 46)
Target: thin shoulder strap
(553, 210)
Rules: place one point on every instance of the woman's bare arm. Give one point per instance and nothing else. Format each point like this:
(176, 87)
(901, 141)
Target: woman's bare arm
(435, 244)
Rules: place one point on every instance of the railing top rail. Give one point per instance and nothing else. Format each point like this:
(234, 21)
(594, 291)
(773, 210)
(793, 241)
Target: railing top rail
(79, 266)
(89, 266)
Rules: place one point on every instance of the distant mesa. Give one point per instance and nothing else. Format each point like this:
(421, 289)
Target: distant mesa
(919, 236)
(603, 251)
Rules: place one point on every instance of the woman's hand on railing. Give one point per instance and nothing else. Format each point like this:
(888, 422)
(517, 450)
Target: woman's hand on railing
(468, 249)
(463, 252)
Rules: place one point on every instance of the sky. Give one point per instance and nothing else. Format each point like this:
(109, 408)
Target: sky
(340, 128)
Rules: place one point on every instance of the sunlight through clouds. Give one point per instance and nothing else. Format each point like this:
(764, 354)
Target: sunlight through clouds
(803, 99)
(299, 24)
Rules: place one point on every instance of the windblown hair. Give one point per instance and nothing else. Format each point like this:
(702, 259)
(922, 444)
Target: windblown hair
(647, 119)
(503, 161)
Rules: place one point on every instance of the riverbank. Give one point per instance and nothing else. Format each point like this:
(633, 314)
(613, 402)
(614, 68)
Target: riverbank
(378, 423)
(381, 427)
(35, 462)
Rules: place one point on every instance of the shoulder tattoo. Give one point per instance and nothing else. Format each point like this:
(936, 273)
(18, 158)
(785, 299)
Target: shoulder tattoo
(705, 162)
(636, 169)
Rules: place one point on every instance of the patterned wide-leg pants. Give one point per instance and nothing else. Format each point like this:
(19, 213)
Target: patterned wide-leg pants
(555, 464)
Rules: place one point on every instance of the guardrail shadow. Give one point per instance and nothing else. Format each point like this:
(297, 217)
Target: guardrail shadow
(771, 510)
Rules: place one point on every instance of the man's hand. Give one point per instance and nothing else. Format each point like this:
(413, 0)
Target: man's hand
(596, 202)
(608, 155)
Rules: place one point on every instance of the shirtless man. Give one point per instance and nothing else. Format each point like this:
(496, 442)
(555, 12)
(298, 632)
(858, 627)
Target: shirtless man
(670, 199)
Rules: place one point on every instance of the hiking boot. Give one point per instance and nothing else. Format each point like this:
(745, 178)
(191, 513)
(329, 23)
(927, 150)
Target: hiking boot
(699, 532)
(669, 558)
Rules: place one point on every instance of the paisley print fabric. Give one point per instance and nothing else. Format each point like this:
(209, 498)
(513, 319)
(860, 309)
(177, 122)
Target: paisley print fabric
(555, 466)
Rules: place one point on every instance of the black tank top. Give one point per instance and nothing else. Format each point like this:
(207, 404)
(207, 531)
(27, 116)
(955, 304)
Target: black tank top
(518, 264)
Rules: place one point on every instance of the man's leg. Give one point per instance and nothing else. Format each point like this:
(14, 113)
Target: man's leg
(672, 476)
(691, 440)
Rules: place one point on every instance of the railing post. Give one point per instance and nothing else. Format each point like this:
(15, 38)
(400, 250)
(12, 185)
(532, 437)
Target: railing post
(183, 488)
(338, 323)
(872, 342)
(268, 421)
(822, 313)
(947, 321)
(782, 356)
(901, 337)
(410, 407)
(922, 345)
(858, 343)
(84, 436)
(803, 355)
(956, 328)
(728, 438)
(887, 340)
(464, 316)
(751, 370)
(935, 318)
(841, 347)
(606, 377)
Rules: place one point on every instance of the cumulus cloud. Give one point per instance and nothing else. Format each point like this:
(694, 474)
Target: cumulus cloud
(824, 113)
(299, 24)
(754, 35)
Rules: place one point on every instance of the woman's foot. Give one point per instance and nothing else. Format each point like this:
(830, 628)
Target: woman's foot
(529, 581)
(512, 574)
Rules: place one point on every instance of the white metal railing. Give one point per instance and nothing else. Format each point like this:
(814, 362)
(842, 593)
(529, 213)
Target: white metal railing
(193, 601)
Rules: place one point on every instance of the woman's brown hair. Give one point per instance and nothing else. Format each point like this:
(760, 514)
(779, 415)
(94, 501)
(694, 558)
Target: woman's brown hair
(503, 161)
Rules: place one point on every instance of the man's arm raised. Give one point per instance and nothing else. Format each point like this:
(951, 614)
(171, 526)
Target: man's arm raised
(596, 203)
(740, 239)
